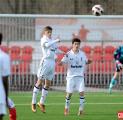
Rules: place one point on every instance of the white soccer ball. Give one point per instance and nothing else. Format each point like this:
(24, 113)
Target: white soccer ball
(97, 10)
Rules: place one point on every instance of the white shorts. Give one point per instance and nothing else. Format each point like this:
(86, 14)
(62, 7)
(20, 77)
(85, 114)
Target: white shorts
(75, 83)
(2, 109)
(46, 70)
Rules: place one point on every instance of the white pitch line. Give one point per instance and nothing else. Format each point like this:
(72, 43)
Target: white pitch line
(57, 104)
(62, 96)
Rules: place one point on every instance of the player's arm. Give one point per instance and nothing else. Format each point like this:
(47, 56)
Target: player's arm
(116, 53)
(64, 60)
(58, 51)
(48, 44)
(6, 86)
(5, 75)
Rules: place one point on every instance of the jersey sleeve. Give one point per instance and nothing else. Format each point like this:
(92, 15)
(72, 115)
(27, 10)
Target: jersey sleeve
(117, 53)
(65, 59)
(6, 66)
(85, 57)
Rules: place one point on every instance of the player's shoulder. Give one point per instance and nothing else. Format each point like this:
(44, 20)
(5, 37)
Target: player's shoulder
(68, 53)
(82, 53)
(4, 55)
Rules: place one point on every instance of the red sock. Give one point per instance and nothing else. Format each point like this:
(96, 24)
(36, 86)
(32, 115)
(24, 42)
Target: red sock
(12, 113)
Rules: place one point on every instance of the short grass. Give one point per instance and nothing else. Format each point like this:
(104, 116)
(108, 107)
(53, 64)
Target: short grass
(98, 106)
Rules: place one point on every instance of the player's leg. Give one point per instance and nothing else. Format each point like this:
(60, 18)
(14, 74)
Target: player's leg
(12, 110)
(1, 117)
(69, 91)
(36, 90)
(2, 110)
(113, 81)
(67, 103)
(44, 94)
(41, 77)
(81, 105)
(81, 87)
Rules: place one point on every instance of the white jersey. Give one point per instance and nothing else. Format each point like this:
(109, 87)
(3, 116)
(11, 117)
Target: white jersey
(4, 71)
(49, 48)
(75, 62)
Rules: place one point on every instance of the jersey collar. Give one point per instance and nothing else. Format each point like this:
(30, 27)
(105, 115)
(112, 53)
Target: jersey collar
(75, 53)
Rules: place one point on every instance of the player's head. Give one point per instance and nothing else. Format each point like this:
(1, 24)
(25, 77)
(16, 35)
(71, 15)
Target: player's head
(1, 37)
(47, 31)
(76, 44)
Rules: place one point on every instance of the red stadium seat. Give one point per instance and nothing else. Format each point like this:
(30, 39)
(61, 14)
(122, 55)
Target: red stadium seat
(63, 48)
(109, 49)
(24, 68)
(108, 57)
(96, 61)
(87, 49)
(60, 56)
(27, 50)
(108, 62)
(97, 57)
(15, 50)
(4, 48)
(15, 61)
(26, 58)
(59, 69)
(98, 49)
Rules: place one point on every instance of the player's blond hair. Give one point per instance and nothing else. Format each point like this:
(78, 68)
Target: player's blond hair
(47, 28)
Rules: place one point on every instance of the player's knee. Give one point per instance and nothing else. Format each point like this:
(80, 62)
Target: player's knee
(69, 95)
(81, 93)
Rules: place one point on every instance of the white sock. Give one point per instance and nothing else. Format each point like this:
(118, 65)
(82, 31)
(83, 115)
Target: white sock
(67, 102)
(82, 100)
(43, 96)
(35, 93)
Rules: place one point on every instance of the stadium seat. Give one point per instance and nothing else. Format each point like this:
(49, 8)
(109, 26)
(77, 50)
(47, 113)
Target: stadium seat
(4, 48)
(15, 50)
(63, 48)
(15, 61)
(60, 56)
(96, 61)
(26, 58)
(97, 57)
(98, 49)
(108, 57)
(87, 49)
(109, 49)
(27, 50)
(24, 68)
(59, 69)
(108, 62)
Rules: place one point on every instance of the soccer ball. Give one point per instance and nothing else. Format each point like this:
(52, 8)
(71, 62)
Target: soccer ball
(97, 10)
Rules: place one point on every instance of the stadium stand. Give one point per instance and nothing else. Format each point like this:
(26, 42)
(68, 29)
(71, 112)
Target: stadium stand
(98, 49)
(87, 49)
(27, 50)
(15, 50)
(109, 49)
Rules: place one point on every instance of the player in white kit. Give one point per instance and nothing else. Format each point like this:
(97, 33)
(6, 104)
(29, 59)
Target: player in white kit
(2, 90)
(76, 61)
(4, 74)
(46, 68)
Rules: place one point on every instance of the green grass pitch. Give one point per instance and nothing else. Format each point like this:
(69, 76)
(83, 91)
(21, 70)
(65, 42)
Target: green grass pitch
(98, 106)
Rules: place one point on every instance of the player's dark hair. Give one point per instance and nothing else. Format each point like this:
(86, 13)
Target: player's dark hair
(76, 40)
(1, 37)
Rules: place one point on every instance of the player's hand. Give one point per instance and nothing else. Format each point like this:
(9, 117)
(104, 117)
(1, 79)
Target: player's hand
(58, 38)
